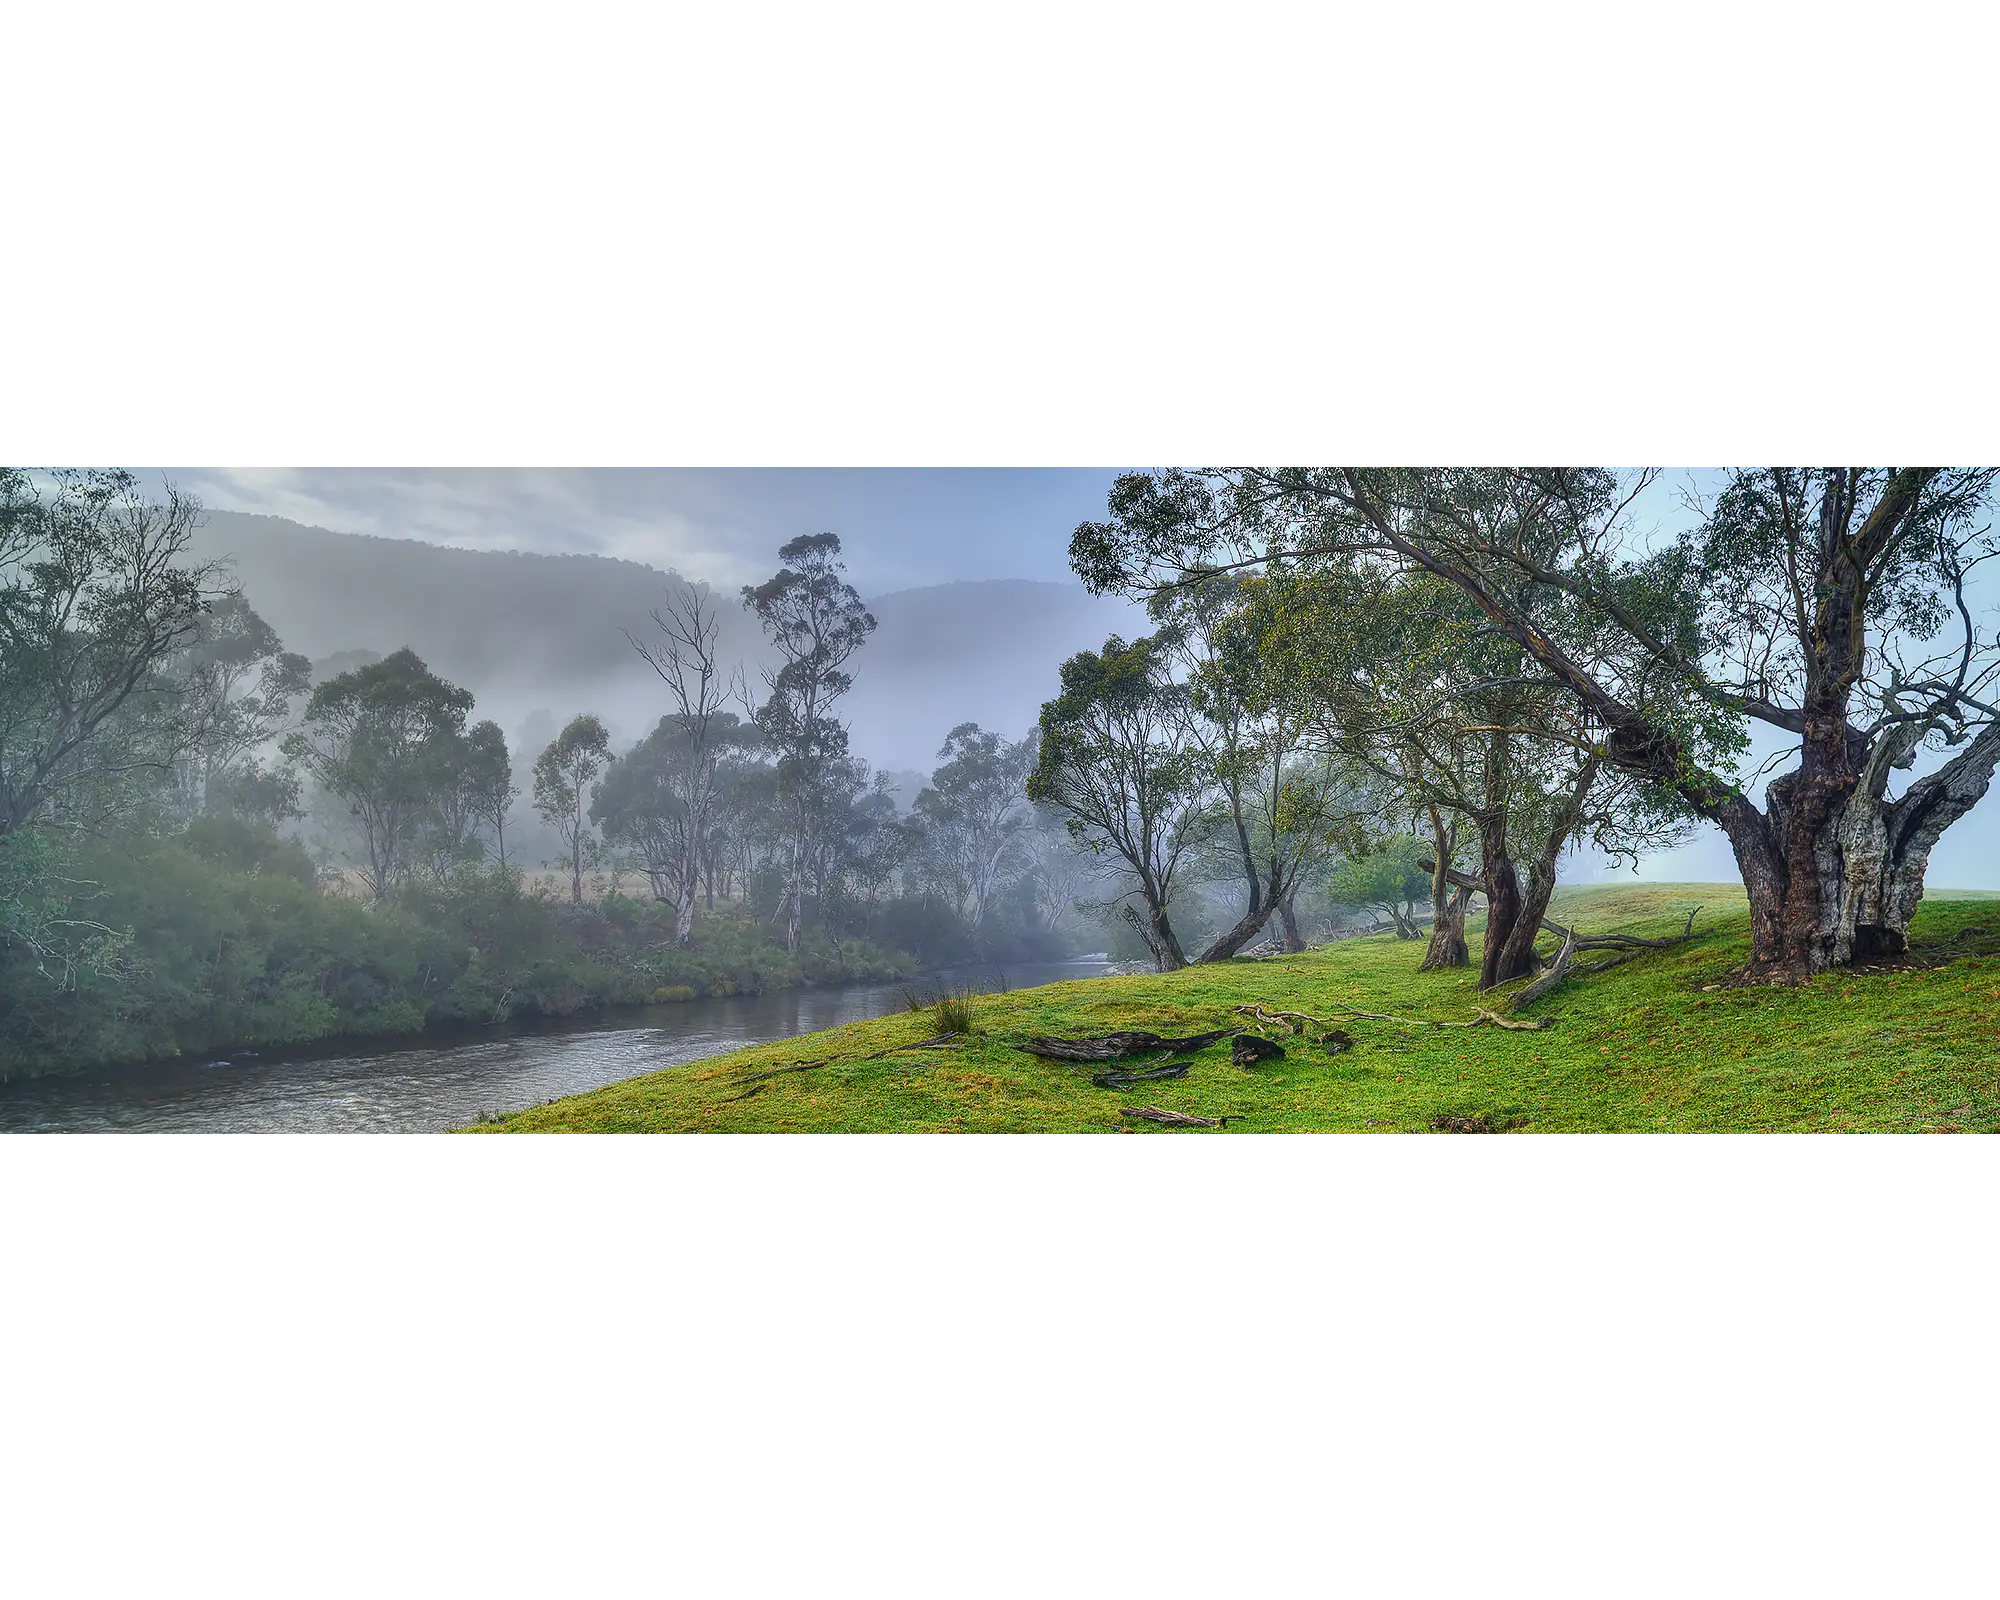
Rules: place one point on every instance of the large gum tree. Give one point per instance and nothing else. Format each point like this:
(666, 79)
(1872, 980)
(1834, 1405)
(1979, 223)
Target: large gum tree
(1827, 603)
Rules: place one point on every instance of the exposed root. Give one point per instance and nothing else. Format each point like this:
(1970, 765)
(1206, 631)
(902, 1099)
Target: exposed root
(1479, 1018)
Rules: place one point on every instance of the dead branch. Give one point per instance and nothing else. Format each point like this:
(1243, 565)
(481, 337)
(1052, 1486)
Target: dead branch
(1116, 1046)
(1479, 1018)
(1563, 969)
(779, 1072)
(1172, 1119)
(1125, 1080)
(1444, 1124)
(1557, 973)
(1623, 941)
(939, 1041)
(1334, 1037)
(745, 1095)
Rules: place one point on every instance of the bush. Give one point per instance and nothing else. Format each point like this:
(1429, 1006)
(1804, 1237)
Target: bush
(231, 943)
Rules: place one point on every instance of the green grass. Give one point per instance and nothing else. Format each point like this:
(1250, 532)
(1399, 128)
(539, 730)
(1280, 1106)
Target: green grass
(1659, 1045)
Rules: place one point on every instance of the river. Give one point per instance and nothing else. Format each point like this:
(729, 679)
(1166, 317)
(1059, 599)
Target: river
(444, 1082)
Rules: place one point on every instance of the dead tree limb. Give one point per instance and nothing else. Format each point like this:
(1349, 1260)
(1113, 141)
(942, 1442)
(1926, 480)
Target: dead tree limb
(1564, 968)
(1480, 1018)
(1116, 1046)
(1248, 1049)
(1172, 1119)
(1623, 941)
(1124, 1080)
(745, 1095)
(1558, 973)
(779, 1072)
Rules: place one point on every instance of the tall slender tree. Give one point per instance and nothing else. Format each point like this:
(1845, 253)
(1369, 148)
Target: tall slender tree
(817, 622)
(564, 774)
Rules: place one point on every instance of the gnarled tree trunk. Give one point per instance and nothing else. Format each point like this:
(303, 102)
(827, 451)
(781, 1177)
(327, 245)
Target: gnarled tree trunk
(1159, 935)
(1288, 916)
(1447, 947)
(1834, 869)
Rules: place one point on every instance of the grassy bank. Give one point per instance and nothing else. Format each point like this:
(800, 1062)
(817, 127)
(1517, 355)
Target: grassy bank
(1661, 1044)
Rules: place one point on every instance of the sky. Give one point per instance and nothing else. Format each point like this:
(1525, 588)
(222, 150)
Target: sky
(899, 528)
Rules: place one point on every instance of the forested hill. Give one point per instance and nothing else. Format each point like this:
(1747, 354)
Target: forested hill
(527, 632)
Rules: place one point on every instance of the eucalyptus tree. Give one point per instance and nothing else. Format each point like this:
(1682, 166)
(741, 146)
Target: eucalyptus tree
(975, 812)
(1829, 604)
(1277, 811)
(1117, 758)
(1460, 739)
(378, 740)
(471, 787)
(817, 622)
(684, 658)
(241, 683)
(489, 782)
(98, 597)
(564, 774)
(1057, 871)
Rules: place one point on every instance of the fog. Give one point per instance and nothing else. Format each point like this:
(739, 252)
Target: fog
(519, 586)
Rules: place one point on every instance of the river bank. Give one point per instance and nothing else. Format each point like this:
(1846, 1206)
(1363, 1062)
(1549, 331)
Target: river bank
(1663, 1043)
(450, 1077)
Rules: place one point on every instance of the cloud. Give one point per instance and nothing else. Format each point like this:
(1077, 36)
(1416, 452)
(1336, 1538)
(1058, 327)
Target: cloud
(600, 513)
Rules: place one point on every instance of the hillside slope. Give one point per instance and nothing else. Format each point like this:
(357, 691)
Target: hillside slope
(528, 632)
(1662, 1044)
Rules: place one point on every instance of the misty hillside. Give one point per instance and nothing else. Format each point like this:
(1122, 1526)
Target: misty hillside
(541, 632)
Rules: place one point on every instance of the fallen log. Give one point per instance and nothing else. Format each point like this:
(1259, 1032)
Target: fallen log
(1564, 967)
(1116, 1046)
(1125, 1080)
(1247, 1049)
(1172, 1119)
(1622, 941)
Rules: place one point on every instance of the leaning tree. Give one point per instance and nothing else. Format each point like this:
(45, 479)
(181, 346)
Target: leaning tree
(1463, 739)
(1117, 759)
(1827, 603)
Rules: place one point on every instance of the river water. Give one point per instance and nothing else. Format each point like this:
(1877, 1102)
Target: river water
(446, 1082)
